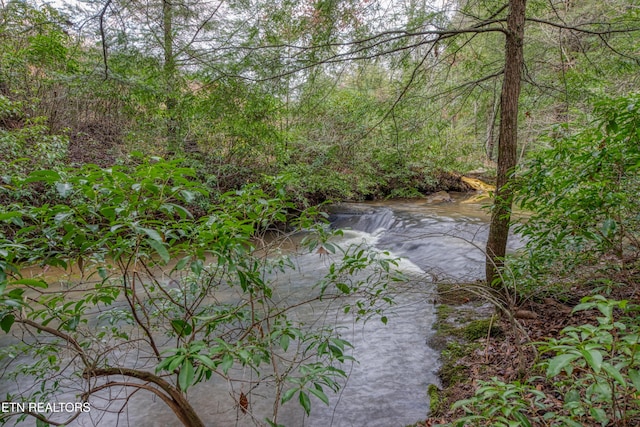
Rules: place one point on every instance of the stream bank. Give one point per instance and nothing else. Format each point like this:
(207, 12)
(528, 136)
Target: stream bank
(478, 346)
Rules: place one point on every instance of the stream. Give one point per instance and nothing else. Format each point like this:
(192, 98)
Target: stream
(387, 385)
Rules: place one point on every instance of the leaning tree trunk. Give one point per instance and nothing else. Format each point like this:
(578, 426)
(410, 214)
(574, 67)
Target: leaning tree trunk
(507, 139)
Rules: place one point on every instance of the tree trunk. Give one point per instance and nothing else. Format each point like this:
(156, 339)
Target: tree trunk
(491, 126)
(507, 139)
(171, 102)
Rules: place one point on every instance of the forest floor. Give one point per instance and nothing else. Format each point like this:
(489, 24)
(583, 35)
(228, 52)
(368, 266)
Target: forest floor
(478, 345)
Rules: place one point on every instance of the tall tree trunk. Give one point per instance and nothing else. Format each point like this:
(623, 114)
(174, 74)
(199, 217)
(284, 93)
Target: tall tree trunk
(171, 102)
(491, 127)
(507, 138)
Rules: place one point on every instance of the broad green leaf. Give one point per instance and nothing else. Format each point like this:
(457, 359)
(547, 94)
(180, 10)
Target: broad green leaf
(153, 234)
(7, 322)
(284, 341)
(182, 263)
(73, 323)
(174, 362)
(559, 363)
(181, 327)
(288, 395)
(227, 363)
(634, 375)
(320, 395)
(185, 378)
(305, 402)
(206, 361)
(43, 175)
(344, 288)
(572, 395)
(197, 266)
(599, 415)
(614, 372)
(609, 227)
(160, 249)
(188, 196)
(593, 358)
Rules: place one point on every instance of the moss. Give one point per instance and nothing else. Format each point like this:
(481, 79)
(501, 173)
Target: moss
(456, 293)
(451, 372)
(435, 402)
(480, 329)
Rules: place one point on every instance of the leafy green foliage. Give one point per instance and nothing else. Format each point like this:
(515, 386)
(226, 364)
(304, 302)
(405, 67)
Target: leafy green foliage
(596, 366)
(497, 403)
(29, 145)
(593, 369)
(583, 190)
(138, 270)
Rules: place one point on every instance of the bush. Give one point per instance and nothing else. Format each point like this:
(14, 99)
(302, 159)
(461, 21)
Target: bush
(147, 277)
(583, 191)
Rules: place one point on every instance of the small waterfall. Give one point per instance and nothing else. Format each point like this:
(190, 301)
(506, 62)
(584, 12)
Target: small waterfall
(360, 218)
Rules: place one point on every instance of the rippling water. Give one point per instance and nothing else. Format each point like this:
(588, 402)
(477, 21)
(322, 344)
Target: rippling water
(387, 386)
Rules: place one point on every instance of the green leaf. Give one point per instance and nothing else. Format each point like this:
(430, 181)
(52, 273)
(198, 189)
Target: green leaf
(197, 266)
(182, 263)
(288, 395)
(320, 394)
(227, 363)
(570, 423)
(593, 358)
(344, 288)
(609, 227)
(31, 282)
(185, 378)
(181, 327)
(7, 322)
(73, 323)
(153, 234)
(160, 249)
(174, 362)
(634, 375)
(559, 363)
(305, 402)
(614, 372)
(43, 175)
(599, 415)
(188, 196)
(524, 421)
(284, 341)
(205, 360)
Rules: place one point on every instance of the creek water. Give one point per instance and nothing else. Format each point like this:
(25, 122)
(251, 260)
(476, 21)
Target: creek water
(387, 385)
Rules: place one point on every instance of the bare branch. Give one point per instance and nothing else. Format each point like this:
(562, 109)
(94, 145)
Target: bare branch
(585, 28)
(59, 334)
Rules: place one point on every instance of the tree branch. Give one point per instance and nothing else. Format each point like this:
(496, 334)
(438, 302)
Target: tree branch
(585, 30)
